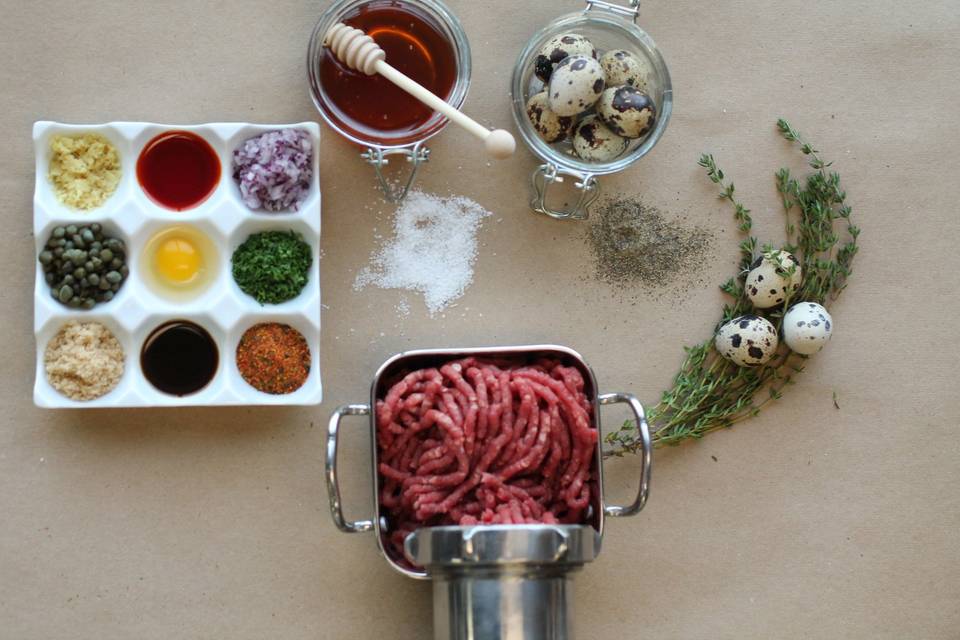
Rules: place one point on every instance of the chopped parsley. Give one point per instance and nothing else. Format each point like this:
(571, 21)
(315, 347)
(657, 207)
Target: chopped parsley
(272, 266)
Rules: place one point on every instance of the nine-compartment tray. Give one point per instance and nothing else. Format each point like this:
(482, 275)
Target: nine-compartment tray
(222, 309)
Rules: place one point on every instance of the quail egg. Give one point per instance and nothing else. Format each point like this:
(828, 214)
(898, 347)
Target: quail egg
(807, 327)
(747, 341)
(771, 276)
(559, 47)
(576, 85)
(628, 111)
(550, 126)
(593, 141)
(623, 67)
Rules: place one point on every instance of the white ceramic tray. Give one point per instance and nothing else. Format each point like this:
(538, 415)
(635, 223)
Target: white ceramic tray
(223, 309)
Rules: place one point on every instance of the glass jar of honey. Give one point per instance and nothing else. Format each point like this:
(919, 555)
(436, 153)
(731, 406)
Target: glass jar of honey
(423, 40)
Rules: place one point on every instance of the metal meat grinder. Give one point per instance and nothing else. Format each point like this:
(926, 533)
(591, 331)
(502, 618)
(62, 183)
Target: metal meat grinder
(494, 582)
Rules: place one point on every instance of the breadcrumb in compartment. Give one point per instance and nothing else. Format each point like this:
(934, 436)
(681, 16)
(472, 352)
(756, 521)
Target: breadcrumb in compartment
(84, 361)
(84, 169)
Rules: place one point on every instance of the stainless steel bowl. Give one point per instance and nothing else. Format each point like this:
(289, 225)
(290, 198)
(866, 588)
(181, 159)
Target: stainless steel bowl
(608, 26)
(399, 365)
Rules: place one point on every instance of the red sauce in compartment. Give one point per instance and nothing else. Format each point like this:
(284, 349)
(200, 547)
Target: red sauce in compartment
(414, 45)
(178, 170)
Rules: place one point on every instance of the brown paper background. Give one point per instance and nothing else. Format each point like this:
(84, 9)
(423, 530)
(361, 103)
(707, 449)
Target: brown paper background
(810, 522)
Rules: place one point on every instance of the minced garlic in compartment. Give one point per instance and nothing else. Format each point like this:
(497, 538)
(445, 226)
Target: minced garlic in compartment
(84, 169)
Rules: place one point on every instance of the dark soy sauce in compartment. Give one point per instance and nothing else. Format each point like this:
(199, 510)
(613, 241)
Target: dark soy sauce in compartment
(179, 358)
(178, 170)
(414, 45)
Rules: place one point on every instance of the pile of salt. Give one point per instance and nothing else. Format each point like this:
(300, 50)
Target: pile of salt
(433, 249)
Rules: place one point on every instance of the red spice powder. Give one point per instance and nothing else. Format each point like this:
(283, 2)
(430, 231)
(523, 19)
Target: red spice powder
(273, 358)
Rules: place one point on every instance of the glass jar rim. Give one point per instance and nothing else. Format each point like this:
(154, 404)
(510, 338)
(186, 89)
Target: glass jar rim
(451, 28)
(565, 161)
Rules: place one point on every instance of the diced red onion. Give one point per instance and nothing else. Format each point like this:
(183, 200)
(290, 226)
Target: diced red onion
(274, 169)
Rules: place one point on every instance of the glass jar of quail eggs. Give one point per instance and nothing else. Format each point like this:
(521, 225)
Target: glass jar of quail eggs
(591, 95)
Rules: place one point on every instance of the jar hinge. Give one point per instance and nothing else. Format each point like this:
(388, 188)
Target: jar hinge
(547, 174)
(415, 154)
(632, 10)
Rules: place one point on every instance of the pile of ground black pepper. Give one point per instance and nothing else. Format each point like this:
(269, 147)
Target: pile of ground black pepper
(634, 244)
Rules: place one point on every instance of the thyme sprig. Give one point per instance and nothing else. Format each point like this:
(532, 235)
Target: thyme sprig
(711, 393)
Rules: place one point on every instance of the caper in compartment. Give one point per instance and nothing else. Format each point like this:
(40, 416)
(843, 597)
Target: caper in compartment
(83, 265)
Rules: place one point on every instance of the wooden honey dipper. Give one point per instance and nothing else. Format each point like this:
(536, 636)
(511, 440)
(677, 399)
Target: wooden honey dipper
(360, 52)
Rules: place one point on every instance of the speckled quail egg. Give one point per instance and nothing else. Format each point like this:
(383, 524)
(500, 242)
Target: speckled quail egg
(556, 49)
(594, 142)
(550, 126)
(623, 67)
(628, 111)
(771, 276)
(576, 85)
(807, 327)
(747, 341)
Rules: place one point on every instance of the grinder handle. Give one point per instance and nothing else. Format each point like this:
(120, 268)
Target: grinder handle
(646, 456)
(333, 486)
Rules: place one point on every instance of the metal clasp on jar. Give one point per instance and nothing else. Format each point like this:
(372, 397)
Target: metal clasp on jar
(632, 10)
(416, 154)
(587, 185)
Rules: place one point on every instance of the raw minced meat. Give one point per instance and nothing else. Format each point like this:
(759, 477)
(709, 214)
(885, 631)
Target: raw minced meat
(274, 169)
(476, 442)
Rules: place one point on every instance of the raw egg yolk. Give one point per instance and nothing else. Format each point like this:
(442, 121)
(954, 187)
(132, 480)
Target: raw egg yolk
(178, 260)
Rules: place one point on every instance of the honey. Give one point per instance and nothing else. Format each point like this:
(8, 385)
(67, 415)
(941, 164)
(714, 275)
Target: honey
(415, 45)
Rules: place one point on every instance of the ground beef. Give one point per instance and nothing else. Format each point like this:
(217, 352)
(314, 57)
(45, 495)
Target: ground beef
(475, 442)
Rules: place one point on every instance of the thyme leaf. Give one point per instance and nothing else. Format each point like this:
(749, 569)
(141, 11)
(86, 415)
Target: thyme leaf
(710, 393)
